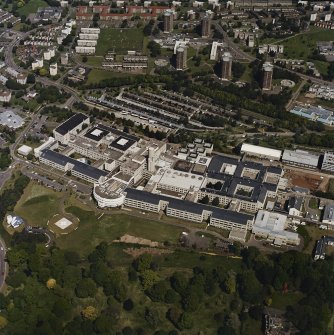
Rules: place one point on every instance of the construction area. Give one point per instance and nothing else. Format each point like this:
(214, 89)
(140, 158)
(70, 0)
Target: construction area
(307, 180)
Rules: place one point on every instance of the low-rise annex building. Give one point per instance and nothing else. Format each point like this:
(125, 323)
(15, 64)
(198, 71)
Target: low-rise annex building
(272, 226)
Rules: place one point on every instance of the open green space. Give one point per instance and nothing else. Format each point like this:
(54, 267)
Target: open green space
(282, 300)
(119, 40)
(32, 7)
(302, 46)
(94, 61)
(92, 230)
(97, 75)
(37, 204)
(315, 234)
(313, 203)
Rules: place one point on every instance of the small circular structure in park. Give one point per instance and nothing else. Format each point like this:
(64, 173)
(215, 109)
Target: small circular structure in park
(287, 83)
(161, 62)
(61, 224)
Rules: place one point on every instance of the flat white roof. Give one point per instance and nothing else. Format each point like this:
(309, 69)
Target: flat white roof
(24, 149)
(270, 220)
(273, 224)
(176, 178)
(301, 157)
(96, 132)
(262, 151)
(122, 141)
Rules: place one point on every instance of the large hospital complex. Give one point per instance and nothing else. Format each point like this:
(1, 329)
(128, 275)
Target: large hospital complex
(151, 175)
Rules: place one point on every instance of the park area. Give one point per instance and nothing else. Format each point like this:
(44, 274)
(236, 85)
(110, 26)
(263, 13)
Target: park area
(302, 46)
(31, 7)
(119, 41)
(95, 229)
(37, 204)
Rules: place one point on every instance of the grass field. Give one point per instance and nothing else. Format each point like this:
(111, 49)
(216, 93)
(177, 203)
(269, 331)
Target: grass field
(96, 75)
(94, 61)
(282, 300)
(119, 40)
(31, 7)
(37, 204)
(302, 46)
(110, 227)
(313, 203)
(315, 234)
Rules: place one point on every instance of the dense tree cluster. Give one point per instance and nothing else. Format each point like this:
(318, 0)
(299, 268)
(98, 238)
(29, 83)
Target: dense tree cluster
(10, 196)
(5, 158)
(60, 114)
(51, 94)
(70, 291)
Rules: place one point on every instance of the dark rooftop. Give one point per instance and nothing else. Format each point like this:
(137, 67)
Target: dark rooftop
(144, 196)
(218, 161)
(122, 143)
(79, 167)
(88, 170)
(184, 205)
(71, 123)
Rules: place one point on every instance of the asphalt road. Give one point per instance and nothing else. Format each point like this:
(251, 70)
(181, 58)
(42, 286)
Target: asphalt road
(3, 265)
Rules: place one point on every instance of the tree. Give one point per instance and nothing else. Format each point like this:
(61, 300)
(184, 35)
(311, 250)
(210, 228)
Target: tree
(249, 287)
(3, 322)
(102, 324)
(230, 283)
(255, 312)
(62, 309)
(155, 48)
(215, 202)
(179, 282)
(158, 291)
(51, 283)
(191, 301)
(85, 288)
(89, 313)
(148, 278)
(185, 321)
(205, 200)
(143, 262)
(152, 317)
(173, 315)
(43, 72)
(128, 305)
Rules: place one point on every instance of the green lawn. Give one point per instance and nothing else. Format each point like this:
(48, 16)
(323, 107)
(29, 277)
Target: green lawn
(92, 230)
(37, 204)
(251, 326)
(97, 75)
(31, 7)
(282, 300)
(315, 234)
(247, 75)
(94, 61)
(313, 203)
(119, 40)
(302, 46)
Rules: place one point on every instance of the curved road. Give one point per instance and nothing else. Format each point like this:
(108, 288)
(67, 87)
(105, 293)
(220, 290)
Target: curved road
(3, 264)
